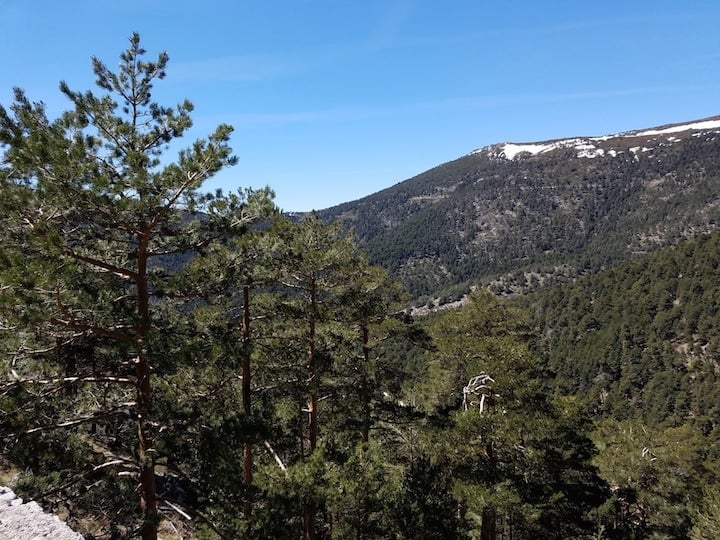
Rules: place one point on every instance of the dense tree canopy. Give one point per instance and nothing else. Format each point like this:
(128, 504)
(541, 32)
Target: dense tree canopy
(190, 365)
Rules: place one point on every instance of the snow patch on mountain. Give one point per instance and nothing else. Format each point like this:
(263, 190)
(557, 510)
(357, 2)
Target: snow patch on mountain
(705, 124)
(584, 148)
(588, 150)
(590, 147)
(510, 150)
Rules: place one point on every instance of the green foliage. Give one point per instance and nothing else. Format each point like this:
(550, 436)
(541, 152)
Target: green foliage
(93, 212)
(427, 508)
(535, 220)
(520, 463)
(706, 519)
(655, 476)
(640, 339)
(638, 343)
(362, 492)
(268, 380)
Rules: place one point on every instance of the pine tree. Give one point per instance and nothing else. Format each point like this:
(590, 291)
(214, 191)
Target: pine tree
(321, 310)
(521, 463)
(99, 216)
(706, 518)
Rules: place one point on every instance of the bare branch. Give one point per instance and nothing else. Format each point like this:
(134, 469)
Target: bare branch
(77, 479)
(199, 245)
(172, 200)
(84, 419)
(178, 510)
(197, 514)
(85, 328)
(113, 269)
(276, 457)
(479, 386)
(64, 380)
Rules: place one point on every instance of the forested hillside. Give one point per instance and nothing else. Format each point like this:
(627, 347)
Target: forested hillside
(639, 343)
(183, 365)
(172, 369)
(641, 339)
(575, 206)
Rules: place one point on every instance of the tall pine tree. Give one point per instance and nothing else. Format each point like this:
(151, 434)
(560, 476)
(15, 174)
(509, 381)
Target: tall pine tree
(96, 216)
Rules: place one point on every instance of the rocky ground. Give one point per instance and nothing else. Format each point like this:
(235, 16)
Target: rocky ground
(27, 521)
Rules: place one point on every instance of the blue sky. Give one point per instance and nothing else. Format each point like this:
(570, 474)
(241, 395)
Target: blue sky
(334, 100)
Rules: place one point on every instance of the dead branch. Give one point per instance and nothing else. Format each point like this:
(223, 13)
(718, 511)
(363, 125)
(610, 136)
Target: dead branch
(178, 510)
(77, 479)
(276, 457)
(84, 419)
(85, 328)
(65, 380)
(119, 271)
(197, 514)
(479, 385)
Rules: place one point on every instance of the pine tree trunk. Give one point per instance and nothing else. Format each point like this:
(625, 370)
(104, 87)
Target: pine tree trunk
(312, 424)
(146, 450)
(247, 447)
(309, 525)
(312, 368)
(308, 511)
(488, 530)
(489, 515)
(148, 496)
(365, 428)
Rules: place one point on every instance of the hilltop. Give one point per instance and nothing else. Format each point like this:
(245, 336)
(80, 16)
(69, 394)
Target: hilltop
(516, 215)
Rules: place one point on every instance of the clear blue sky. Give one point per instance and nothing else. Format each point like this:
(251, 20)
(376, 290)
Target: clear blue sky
(333, 100)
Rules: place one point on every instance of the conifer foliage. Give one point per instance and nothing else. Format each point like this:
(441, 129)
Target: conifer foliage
(170, 356)
(93, 213)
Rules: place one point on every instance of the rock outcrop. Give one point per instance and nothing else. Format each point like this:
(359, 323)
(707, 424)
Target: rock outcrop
(27, 521)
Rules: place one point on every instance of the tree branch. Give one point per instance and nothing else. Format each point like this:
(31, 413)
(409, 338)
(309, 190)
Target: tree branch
(92, 329)
(117, 270)
(276, 457)
(197, 514)
(77, 479)
(83, 419)
(74, 380)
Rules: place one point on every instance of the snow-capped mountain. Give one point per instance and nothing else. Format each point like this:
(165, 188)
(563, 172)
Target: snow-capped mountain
(543, 211)
(612, 145)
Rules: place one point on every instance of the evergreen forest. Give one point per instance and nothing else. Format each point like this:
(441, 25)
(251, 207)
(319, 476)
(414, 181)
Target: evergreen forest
(179, 364)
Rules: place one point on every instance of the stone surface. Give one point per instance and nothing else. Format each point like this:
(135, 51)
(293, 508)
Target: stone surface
(27, 521)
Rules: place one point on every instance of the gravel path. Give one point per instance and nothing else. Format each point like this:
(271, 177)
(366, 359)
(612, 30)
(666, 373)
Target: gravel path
(27, 521)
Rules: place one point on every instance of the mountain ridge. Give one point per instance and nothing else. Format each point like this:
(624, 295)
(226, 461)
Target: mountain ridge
(550, 209)
(587, 144)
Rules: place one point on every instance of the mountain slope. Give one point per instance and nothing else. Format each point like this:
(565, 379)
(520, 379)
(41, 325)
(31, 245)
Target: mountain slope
(543, 210)
(640, 339)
